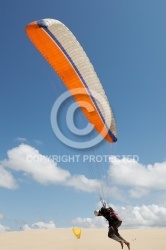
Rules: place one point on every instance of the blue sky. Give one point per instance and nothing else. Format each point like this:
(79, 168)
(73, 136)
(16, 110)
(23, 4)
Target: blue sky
(126, 43)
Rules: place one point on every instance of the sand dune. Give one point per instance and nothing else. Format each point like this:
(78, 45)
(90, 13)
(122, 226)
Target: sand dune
(91, 239)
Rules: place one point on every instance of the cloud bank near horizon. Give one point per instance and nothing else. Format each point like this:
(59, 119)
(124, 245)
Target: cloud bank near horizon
(145, 216)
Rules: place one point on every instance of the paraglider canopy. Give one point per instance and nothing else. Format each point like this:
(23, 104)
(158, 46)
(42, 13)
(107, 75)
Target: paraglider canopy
(77, 232)
(66, 56)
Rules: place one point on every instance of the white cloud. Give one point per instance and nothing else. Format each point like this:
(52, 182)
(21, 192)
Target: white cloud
(28, 160)
(133, 217)
(21, 139)
(26, 227)
(4, 229)
(141, 179)
(39, 225)
(6, 179)
(90, 222)
(42, 169)
(83, 183)
(43, 225)
(144, 216)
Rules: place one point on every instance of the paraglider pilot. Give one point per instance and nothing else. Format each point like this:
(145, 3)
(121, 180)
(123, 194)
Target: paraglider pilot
(114, 222)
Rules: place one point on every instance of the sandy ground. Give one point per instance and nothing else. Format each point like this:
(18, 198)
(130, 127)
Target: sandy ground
(91, 239)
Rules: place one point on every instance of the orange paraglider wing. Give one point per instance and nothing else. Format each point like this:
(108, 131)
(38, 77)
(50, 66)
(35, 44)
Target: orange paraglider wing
(64, 53)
